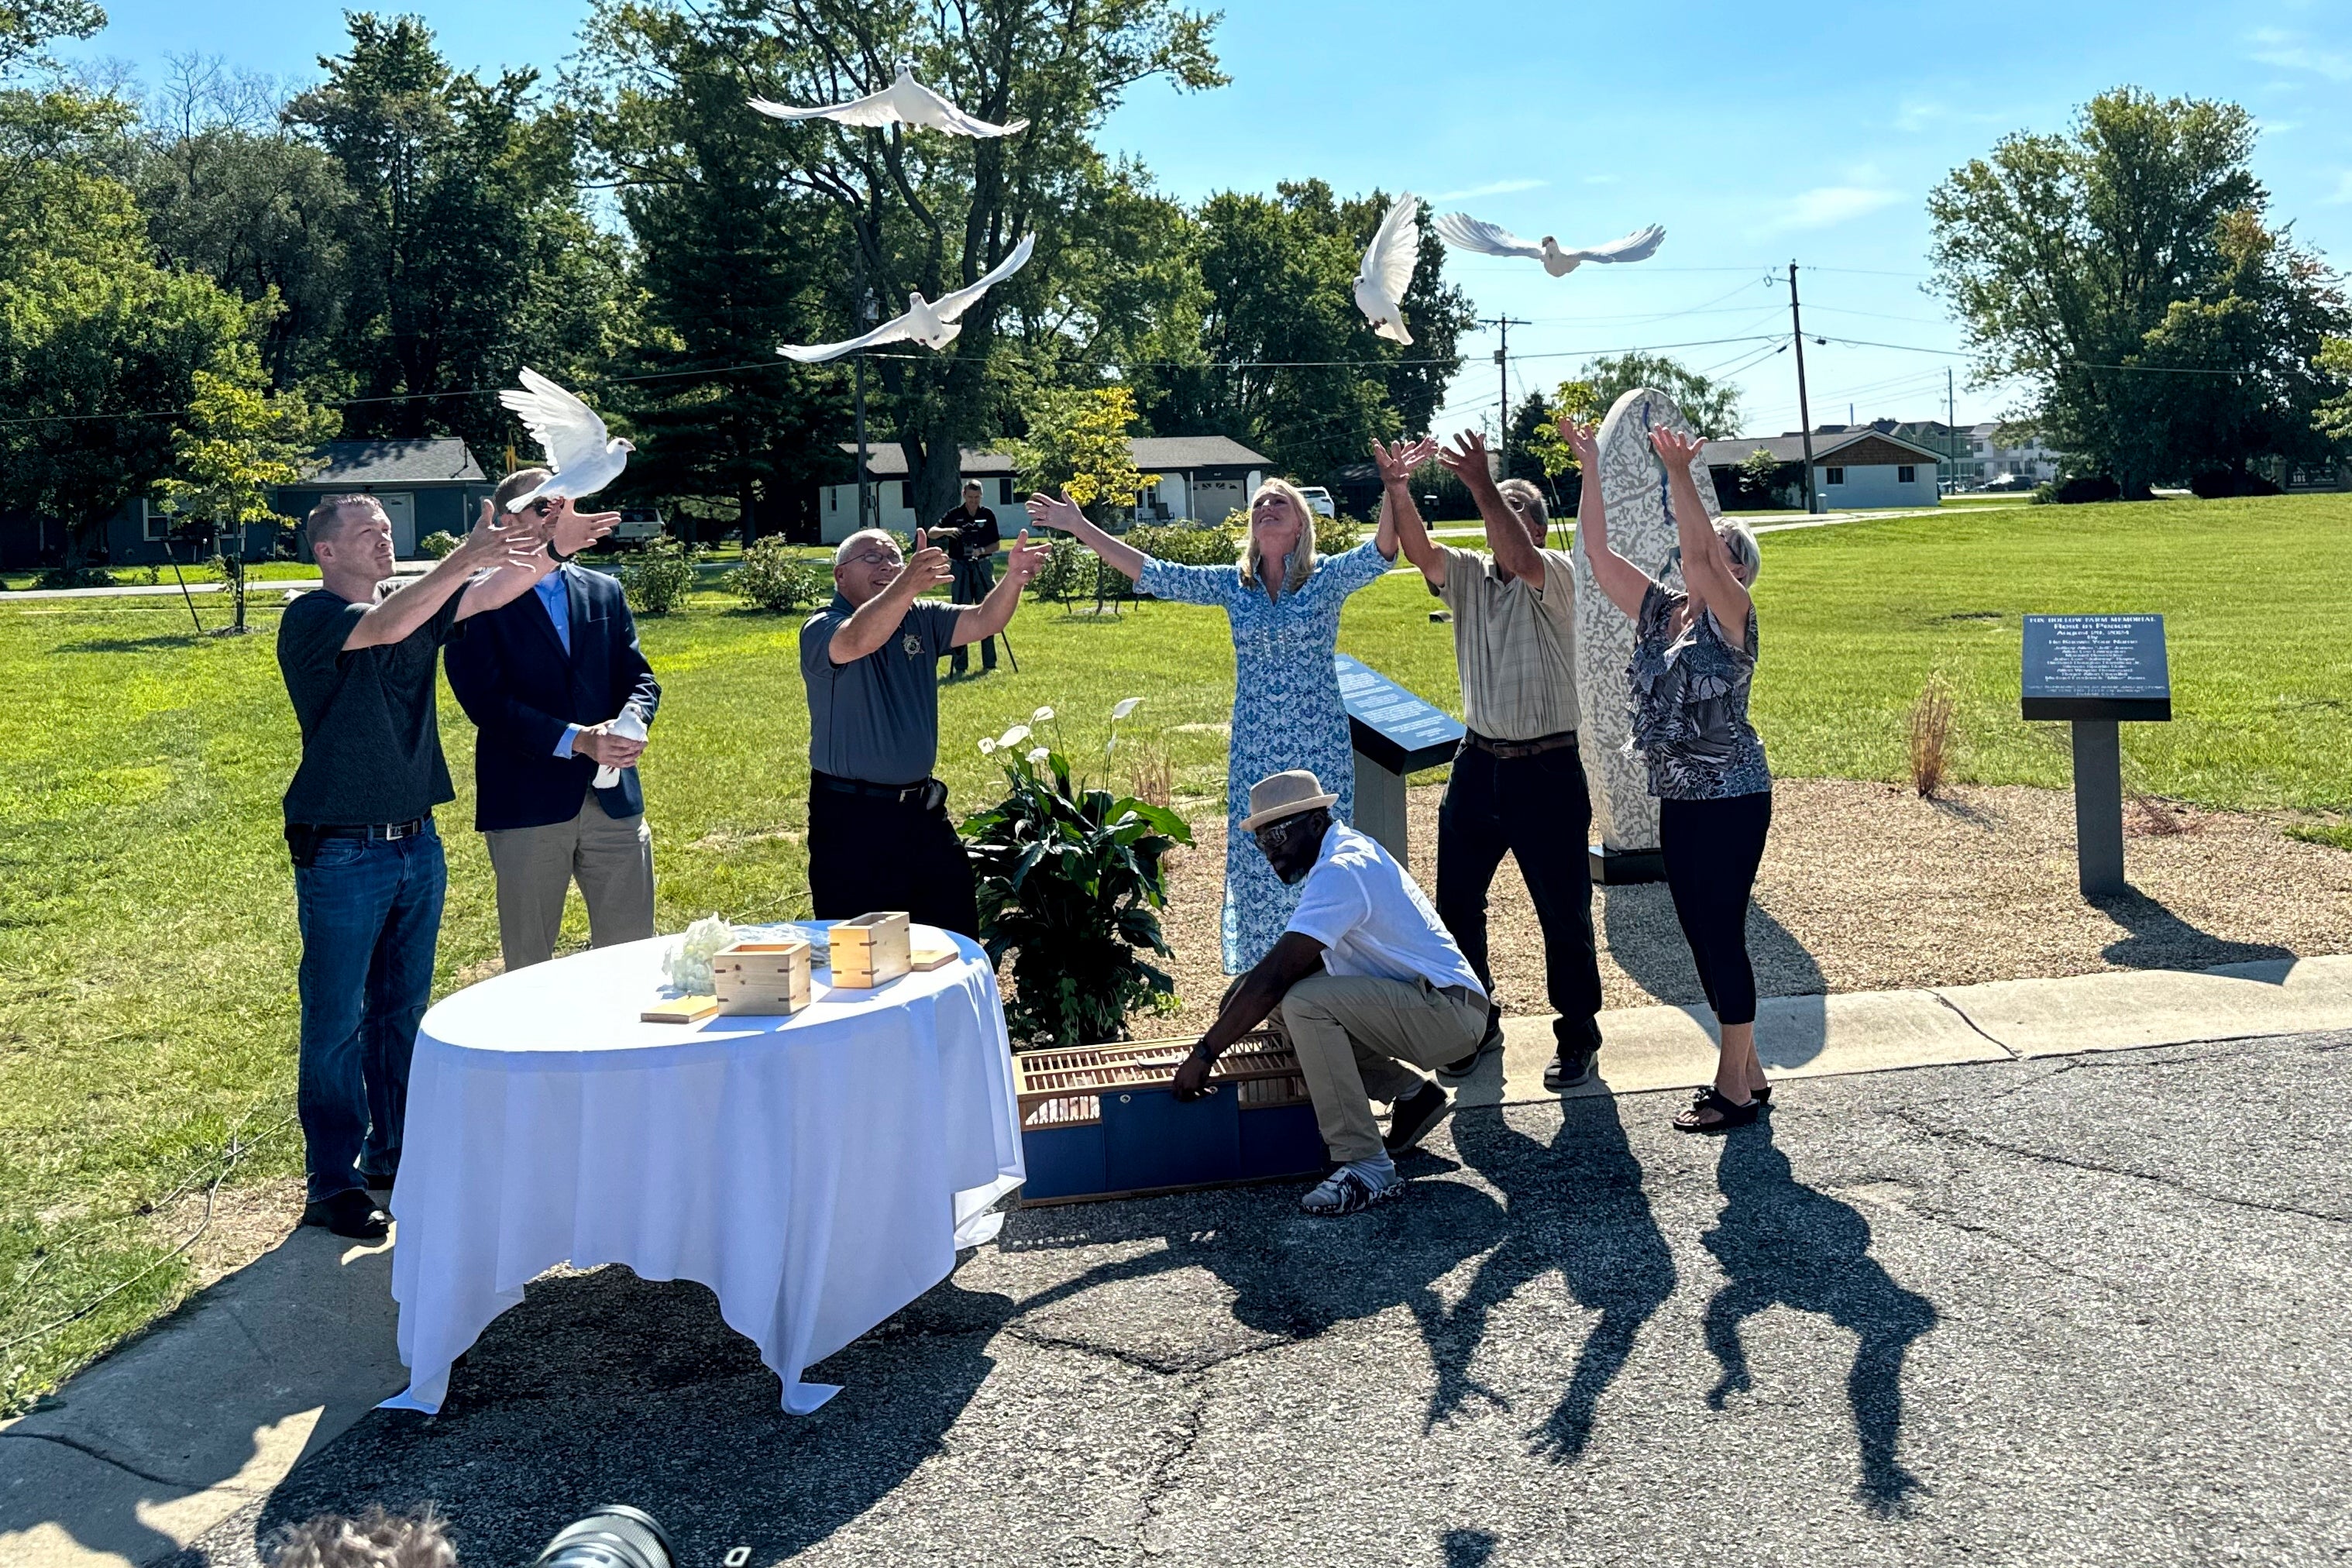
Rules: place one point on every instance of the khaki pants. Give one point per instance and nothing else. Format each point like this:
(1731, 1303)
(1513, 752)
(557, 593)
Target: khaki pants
(612, 857)
(1353, 1034)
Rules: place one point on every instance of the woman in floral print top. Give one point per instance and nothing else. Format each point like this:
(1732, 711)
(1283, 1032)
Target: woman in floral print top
(1689, 678)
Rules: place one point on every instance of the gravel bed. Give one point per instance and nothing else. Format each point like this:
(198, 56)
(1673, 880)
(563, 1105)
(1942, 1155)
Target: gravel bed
(1864, 886)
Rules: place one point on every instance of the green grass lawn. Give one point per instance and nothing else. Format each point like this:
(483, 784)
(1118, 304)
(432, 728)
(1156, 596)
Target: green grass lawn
(147, 951)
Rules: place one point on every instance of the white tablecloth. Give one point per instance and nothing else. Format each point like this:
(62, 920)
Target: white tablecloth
(817, 1172)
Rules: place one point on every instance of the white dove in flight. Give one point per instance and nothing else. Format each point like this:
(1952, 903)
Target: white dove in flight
(1387, 271)
(1467, 233)
(931, 323)
(585, 459)
(905, 101)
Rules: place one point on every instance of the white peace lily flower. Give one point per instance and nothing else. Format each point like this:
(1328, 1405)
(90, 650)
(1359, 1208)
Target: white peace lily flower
(1125, 708)
(987, 745)
(1038, 753)
(1014, 736)
(1040, 716)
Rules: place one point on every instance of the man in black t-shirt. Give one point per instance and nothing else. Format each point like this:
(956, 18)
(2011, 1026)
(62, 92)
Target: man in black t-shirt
(368, 872)
(972, 551)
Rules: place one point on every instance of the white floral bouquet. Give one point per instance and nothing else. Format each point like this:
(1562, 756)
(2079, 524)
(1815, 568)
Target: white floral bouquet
(688, 967)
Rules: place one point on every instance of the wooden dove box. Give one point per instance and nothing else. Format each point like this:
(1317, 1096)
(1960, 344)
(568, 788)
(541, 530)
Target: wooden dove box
(762, 979)
(1101, 1122)
(871, 949)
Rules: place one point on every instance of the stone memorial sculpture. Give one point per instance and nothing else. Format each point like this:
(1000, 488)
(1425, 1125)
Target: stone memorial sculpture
(1642, 530)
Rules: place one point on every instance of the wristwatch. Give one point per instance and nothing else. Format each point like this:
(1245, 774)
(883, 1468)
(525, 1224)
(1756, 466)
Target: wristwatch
(557, 555)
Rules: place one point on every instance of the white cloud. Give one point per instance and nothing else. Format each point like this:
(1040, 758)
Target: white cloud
(2291, 51)
(1493, 188)
(1826, 205)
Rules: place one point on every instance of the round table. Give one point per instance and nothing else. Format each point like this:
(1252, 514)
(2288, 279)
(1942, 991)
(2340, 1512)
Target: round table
(818, 1172)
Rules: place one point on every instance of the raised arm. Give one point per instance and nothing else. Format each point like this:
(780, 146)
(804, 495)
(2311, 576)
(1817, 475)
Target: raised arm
(873, 623)
(1624, 584)
(1706, 565)
(568, 531)
(1060, 513)
(1396, 463)
(1506, 536)
(992, 614)
(493, 546)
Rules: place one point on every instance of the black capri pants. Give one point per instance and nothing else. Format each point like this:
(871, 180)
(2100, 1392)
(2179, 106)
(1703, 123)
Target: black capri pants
(1712, 850)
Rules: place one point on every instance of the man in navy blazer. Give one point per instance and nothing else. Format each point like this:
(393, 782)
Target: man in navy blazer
(543, 677)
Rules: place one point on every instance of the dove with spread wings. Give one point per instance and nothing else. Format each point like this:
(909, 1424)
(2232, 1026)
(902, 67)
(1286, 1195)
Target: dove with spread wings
(1387, 271)
(932, 323)
(1467, 233)
(905, 101)
(585, 459)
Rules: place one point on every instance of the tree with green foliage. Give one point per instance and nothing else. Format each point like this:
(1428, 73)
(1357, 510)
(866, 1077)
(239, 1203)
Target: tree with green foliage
(2333, 417)
(1077, 445)
(915, 210)
(237, 444)
(2124, 273)
(1289, 365)
(1711, 406)
(26, 26)
(469, 252)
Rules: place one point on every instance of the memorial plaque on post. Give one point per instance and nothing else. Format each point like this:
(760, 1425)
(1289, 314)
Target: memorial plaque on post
(1394, 734)
(2093, 672)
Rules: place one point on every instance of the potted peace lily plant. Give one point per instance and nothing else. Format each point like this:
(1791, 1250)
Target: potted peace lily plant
(1072, 879)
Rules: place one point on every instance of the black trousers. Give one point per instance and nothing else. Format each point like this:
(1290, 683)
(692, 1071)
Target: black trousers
(1712, 850)
(971, 585)
(1537, 809)
(866, 852)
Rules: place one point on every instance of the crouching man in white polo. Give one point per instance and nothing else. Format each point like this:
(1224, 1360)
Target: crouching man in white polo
(1366, 980)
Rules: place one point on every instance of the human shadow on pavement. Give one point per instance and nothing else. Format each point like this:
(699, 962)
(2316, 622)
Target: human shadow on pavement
(1646, 942)
(603, 1387)
(1780, 1243)
(1289, 1277)
(1576, 1206)
(2162, 940)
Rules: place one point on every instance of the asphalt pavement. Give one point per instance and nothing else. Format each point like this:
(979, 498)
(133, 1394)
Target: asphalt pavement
(2057, 1311)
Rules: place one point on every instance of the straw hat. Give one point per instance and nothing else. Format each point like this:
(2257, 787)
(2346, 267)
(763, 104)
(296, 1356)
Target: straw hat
(1284, 794)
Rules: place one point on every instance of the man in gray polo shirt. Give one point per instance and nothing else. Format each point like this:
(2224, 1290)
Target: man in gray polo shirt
(878, 832)
(1518, 786)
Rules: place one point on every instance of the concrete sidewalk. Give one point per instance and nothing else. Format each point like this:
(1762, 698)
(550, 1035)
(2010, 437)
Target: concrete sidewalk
(199, 1420)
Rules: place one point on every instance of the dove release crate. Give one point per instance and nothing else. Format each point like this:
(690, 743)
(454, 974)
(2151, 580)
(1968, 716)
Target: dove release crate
(763, 979)
(873, 948)
(1101, 1122)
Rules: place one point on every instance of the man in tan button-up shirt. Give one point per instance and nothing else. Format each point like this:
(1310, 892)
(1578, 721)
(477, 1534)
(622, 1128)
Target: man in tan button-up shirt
(1518, 785)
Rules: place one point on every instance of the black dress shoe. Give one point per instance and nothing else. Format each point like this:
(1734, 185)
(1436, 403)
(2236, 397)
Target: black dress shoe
(1412, 1118)
(349, 1213)
(378, 1181)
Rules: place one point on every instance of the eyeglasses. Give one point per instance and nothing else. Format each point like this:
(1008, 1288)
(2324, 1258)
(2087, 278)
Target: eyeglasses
(872, 558)
(1276, 834)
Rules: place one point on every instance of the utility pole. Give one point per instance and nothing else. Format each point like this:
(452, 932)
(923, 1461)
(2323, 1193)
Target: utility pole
(1503, 384)
(864, 489)
(1804, 411)
(1951, 427)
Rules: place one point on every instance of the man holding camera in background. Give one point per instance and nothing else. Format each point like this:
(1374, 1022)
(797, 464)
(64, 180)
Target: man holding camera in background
(969, 534)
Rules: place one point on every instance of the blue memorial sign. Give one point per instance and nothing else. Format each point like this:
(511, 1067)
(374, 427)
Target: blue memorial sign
(2097, 667)
(1392, 726)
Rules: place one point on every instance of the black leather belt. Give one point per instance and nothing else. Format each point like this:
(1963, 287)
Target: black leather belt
(386, 830)
(1564, 740)
(902, 793)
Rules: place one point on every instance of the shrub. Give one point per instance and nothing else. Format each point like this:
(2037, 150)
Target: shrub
(1931, 737)
(661, 576)
(2084, 488)
(773, 578)
(76, 577)
(1069, 573)
(438, 544)
(1216, 545)
(1071, 883)
(1334, 535)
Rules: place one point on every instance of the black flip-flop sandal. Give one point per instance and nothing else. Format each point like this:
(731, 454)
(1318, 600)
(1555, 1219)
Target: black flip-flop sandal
(1763, 1096)
(1727, 1115)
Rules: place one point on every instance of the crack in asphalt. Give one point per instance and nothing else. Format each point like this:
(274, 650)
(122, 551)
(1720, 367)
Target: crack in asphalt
(1978, 1140)
(1142, 1362)
(1157, 1480)
(1972, 1228)
(106, 1459)
(1961, 1014)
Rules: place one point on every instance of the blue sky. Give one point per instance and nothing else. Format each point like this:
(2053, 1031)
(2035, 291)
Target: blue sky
(1755, 134)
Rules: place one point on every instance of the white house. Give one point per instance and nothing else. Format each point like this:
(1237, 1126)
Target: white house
(1855, 469)
(1203, 477)
(2032, 460)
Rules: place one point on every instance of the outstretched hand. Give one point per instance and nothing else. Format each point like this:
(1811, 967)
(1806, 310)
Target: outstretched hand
(928, 567)
(496, 541)
(1026, 559)
(1396, 460)
(1675, 448)
(571, 530)
(1584, 440)
(1466, 458)
(1056, 513)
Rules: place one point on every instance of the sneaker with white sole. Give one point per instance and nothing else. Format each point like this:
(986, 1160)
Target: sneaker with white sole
(1351, 1189)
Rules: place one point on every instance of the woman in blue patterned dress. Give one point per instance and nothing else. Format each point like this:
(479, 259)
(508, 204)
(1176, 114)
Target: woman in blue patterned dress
(1694, 650)
(1283, 604)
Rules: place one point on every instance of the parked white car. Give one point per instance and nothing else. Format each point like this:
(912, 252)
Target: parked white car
(1320, 499)
(638, 525)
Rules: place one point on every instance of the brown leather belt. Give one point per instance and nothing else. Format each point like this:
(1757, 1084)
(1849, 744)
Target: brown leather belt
(1565, 740)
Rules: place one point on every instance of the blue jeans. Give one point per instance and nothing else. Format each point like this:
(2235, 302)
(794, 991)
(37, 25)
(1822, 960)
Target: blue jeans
(369, 912)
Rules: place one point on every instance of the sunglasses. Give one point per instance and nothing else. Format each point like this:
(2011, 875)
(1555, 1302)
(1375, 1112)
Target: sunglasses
(1276, 835)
